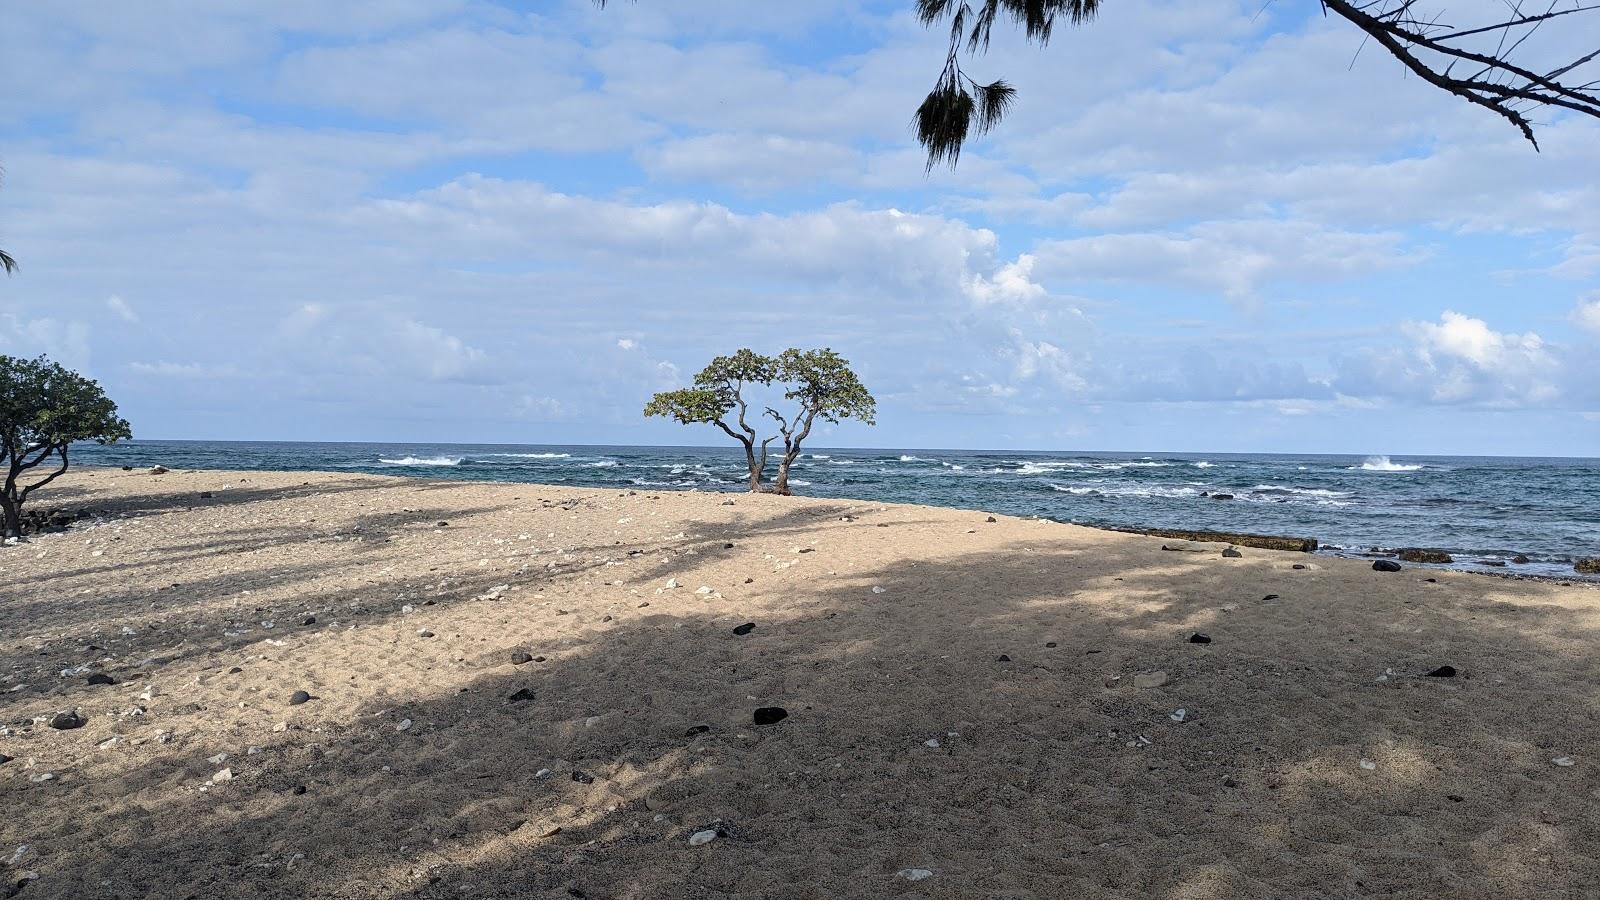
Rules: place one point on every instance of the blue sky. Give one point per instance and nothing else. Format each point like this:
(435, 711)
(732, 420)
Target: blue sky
(1207, 226)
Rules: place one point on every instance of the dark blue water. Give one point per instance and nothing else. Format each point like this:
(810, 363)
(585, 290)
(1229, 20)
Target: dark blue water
(1481, 509)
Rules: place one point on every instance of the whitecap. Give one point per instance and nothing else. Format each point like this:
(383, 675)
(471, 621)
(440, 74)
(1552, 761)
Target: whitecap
(423, 461)
(532, 455)
(1382, 464)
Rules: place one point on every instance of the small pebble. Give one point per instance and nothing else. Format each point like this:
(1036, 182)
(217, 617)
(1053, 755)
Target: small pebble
(1563, 761)
(298, 697)
(746, 628)
(770, 715)
(518, 657)
(915, 874)
(1443, 672)
(701, 838)
(1198, 638)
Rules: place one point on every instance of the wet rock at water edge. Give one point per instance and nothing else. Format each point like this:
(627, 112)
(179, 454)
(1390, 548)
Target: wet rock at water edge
(1385, 565)
(1587, 566)
(1222, 496)
(518, 657)
(1520, 560)
(770, 715)
(1443, 672)
(67, 721)
(298, 697)
(1198, 638)
(744, 629)
(1419, 555)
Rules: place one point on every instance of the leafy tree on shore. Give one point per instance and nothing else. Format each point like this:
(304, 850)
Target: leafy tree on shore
(819, 382)
(44, 409)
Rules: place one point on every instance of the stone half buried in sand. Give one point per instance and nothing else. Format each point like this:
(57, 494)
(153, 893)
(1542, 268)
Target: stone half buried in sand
(1259, 541)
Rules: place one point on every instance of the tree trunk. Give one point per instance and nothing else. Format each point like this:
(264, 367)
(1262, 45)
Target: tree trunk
(757, 466)
(781, 485)
(13, 516)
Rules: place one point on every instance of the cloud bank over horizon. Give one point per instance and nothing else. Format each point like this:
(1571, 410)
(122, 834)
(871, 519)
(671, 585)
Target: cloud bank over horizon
(1203, 228)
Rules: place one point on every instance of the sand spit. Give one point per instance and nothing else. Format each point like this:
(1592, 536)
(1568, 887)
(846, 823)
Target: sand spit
(321, 685)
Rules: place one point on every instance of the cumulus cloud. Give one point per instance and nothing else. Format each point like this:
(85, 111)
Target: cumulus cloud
(1458, 360)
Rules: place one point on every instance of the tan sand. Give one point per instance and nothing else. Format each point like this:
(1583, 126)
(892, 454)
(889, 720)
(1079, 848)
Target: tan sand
(1300, 769)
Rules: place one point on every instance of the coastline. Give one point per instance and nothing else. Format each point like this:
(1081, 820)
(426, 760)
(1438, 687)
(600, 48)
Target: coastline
(1260, 540)
(531, 690)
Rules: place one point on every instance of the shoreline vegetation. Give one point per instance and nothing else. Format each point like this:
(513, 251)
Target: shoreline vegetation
(298, 684)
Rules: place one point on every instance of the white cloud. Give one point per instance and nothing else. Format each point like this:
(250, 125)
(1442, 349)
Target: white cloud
(1587, 314)
(1459, 360)
(120, 308)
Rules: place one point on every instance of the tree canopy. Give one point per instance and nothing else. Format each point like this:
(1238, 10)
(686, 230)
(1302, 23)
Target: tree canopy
(44, 409)
(1480, 61)
(819, 382)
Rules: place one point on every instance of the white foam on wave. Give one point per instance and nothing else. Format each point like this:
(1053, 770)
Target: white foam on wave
(905, 458)
(1202, 464)
(423, 461)
(1125, 490)
(1304, 492)
(532, 455)
(603, 464)
(1383, 464)
(820, 456)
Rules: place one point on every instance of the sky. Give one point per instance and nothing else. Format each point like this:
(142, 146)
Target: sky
(1207, 225)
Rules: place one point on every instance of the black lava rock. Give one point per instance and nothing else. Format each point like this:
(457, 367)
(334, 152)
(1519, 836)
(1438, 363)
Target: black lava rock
(1269, 597)
(298, 697)
(1443, 672)
(727, 546)
(309, 620)
(519, 657)
(235, 670)
(1003, 658)
(771, 715)
(521, 695)
(696, 729)
(1385, 565)
(5, 759)
(1298, 566)
(67, 721)
(582, 777)
(1198, 638)
(1231, 553)
(1050, 644)
(746, 628)
(101, 678)
(298, 790)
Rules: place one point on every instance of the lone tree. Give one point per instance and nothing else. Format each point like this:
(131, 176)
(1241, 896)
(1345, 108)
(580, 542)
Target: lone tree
(1482, 61)
(819, 382)
(44, 408)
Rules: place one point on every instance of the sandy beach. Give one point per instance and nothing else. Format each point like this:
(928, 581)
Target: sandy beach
(520, 690)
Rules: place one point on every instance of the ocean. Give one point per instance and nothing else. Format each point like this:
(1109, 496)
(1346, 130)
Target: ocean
(1482, 510)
